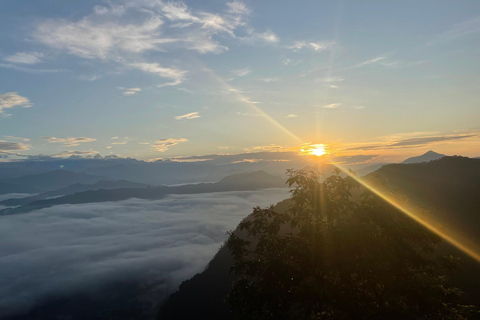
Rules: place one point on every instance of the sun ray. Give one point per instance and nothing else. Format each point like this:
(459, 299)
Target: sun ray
(451, 236)
(240, 97)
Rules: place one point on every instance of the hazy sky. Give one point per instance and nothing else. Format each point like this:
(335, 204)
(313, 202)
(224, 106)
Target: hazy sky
(158, 79)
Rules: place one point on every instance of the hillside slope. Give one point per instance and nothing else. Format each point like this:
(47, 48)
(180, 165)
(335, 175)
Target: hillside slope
(448, 187)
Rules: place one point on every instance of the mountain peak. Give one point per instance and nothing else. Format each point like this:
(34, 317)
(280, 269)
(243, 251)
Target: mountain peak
(431, 152)
(427, 156)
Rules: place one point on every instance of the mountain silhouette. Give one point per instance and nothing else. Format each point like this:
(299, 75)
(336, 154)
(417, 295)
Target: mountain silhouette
(6, 188)
(427, 156)
(447, 187)
(53, 180)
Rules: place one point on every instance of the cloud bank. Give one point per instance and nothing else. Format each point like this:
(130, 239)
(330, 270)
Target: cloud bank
(69, 248)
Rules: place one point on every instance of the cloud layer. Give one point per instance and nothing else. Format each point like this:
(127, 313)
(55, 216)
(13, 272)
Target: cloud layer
(66, 249)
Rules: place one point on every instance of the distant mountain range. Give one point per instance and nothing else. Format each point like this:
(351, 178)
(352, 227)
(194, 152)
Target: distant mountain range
(50, 181)
(208, 168)
(238, 182)
(448, 187)
(74, 188)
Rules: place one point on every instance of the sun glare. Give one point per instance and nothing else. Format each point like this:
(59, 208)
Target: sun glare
(319, 150)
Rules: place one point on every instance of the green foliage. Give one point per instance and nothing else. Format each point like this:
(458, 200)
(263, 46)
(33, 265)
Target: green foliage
(332, 257)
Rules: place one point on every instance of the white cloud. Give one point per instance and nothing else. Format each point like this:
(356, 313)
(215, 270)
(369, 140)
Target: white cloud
(266, 37)
(16, 138)
(105, 35)
(270, 79)
(70, 141)
(129, 91)
(6, 146)
(292, 116)
(174, 74)
(331, 106)
(330, 79)
(25, 58)
(97, 38)
(316, 46)
(164, 144)
(238, 7)
(67, 249)
(12, 99)
(188, 116)
(73, 153)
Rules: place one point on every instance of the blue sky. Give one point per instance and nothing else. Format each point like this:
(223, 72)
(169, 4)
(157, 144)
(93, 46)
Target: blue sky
(159, 79)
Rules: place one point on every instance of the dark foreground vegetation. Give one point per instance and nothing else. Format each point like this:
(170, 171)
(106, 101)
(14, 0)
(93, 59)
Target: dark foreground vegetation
(330, 253)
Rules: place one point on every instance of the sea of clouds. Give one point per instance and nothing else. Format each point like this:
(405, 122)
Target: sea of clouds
(67, 248)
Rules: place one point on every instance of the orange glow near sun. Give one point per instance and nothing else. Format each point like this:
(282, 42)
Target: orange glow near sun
(314, 150)
(319, 150)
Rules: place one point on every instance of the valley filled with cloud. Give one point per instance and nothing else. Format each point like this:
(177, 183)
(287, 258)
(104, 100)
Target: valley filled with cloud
(64, 250)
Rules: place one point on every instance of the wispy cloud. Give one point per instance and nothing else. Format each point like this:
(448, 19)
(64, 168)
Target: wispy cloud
(371, 61)
(240, 72)
(176, 75)
(330, 79)
(28, 69)
(262, 37)
(13, 146)
(92, 77)
(460, 30)
(92, 37)
(70, 141)
(129, 91)
(316, 46)
(188, 116)
(421, 140)
(331, 106)
(238, 7)
(108, 34)
(25, 58)
(16, 138)
(268, 80)
(292, 116)
(164, 144)
(12, 99)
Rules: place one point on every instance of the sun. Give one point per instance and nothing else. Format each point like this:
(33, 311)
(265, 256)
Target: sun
(319, 150)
